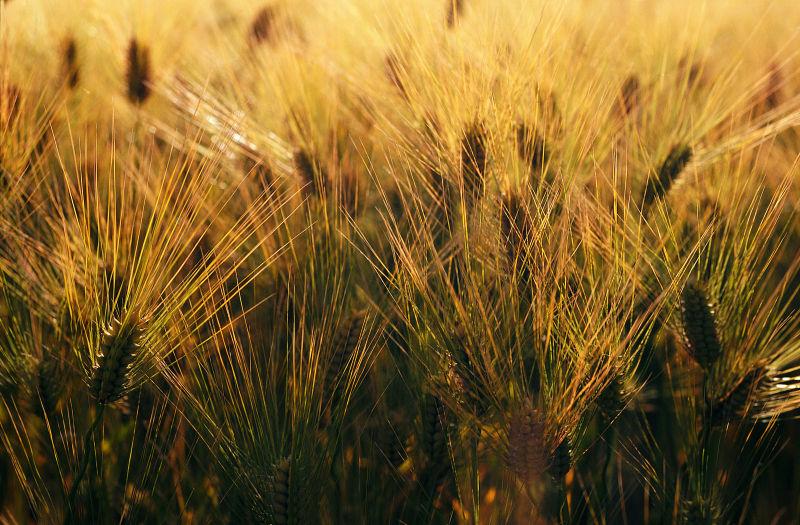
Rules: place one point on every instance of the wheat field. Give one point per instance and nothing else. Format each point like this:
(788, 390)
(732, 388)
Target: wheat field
(402, 262)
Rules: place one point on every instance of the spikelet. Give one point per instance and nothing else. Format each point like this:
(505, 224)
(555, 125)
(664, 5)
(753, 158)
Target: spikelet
(48, 386)
(69, 65)
(677, 159)
(262, 28)
(473, 163)
(442, 209)
(464, 374)
(390, 445)
(699, 326)
(735, 403)
(700, 511)
(255, 165)
(313, 177)
(348, 197)
(690, 72)
(119, 347)
(344, 344)
(611, 401)
(772, 95)
(560, 461)
(455, 9)
(138, 73)
(516, 227)
(526, 452)
(286, 503)
(629, 95)
(531, 148)
(434, 444)
(434, 432)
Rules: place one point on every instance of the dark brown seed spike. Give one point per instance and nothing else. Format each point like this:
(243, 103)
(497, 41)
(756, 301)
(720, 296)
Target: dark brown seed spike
(70, 64)
(773, 91)
(474, 160)
(455, 9)
(526, 453)
(139, 73)
(263, 25)
(699, 326)
(630, 93)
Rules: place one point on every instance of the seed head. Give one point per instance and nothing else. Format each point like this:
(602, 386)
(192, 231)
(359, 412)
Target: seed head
(526, 453)
(677, 159)
(434, 443)
(139, 72)
(287, 504)
(473, 163)
(118, 348)
(442, 208)
(434, 434)
(465, 373)
(313, 177)
(390, 445)
(70, 63)
(344, 344)
(259, 169)
(560, 461)
(773, 90)
(348, 191)
(699, 326)
(531, 148)
(455, 8)
(629, 95)
(515, 226)
(48, 386)
(735, 403)
(262, 27)
(611, 401)
(700, 511)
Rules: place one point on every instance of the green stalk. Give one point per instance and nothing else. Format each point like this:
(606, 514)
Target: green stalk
(87, 443)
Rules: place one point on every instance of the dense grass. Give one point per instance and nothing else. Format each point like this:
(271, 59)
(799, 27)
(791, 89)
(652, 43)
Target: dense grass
(356, 261)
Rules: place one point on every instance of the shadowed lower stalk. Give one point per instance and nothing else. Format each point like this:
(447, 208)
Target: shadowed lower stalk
(81, 472)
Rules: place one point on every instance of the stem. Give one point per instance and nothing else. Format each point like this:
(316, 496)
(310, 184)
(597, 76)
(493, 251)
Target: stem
(606, 473)
(87, 442)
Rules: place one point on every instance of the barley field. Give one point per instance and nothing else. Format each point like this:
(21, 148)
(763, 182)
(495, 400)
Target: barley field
(399, 262)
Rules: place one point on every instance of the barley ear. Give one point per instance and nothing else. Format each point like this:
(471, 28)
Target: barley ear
(474, 161)
(734, 404)
(70, 67)
(699, 326)
(630, 95)
(455, 9)
(262, 28)
(138, 72)
(668, 173)
(531, 148)
(560, 461)
(344, 344)
(119, 347)
(526, 452)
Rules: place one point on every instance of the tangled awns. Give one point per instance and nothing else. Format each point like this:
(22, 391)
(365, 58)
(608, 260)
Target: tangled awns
(399, 262)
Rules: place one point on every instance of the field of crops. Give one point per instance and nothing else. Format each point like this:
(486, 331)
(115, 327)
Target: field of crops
(399, 261)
